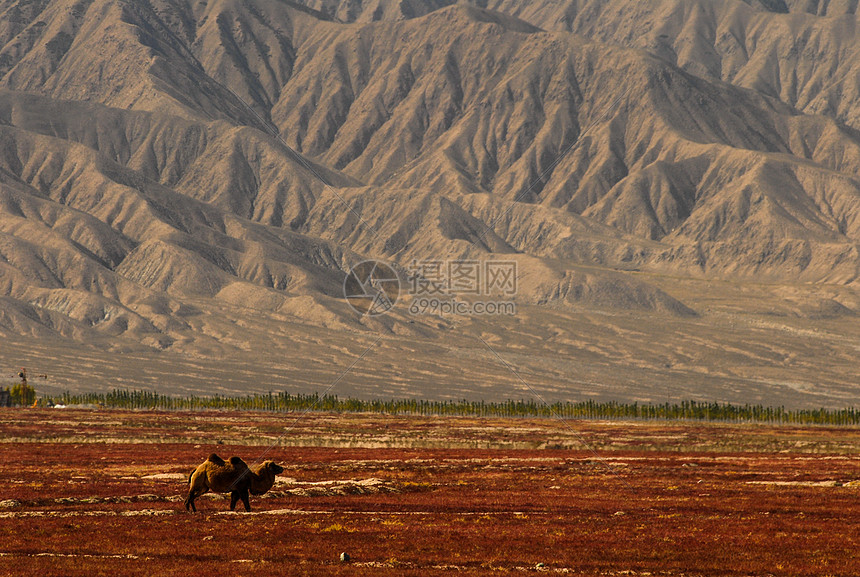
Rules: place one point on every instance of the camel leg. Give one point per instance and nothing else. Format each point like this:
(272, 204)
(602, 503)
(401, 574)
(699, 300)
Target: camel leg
(189, 502)
(243, 494)
(234, 498)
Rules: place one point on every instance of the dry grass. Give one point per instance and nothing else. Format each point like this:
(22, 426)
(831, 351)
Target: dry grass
(691, 500)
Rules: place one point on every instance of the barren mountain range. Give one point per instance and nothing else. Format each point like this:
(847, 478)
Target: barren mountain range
(185, 185)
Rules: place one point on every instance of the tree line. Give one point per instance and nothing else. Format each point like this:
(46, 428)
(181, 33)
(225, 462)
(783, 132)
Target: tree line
(287, 402)
(19, 394)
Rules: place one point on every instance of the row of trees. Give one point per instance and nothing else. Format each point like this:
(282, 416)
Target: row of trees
(284, 402)
(16, 395)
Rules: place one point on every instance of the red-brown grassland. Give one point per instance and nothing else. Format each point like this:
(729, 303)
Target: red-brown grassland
(99, 492)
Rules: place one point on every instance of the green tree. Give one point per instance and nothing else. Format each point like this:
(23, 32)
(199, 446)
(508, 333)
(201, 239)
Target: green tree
(23, 394)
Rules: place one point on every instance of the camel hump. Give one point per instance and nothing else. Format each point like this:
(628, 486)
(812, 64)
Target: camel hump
(238, 463)
(216, 459)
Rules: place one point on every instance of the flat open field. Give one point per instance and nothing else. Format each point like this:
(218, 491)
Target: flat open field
(98, 492)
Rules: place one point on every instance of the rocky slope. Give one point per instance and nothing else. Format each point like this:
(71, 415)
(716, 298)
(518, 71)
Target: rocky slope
(199, 177)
